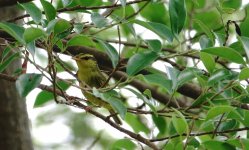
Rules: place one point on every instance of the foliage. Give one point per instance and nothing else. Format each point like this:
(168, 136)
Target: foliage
(186, 73)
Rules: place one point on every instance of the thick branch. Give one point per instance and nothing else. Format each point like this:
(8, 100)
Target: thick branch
(4, 3)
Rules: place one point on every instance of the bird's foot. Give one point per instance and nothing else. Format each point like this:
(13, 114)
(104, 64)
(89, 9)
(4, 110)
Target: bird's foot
(88, 108)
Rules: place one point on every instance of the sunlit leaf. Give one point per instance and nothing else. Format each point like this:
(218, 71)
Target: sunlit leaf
(81, 40)
(61, 26)
(244, 74)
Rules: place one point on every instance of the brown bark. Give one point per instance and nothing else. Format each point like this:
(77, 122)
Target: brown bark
(4, 3)
(14, 123)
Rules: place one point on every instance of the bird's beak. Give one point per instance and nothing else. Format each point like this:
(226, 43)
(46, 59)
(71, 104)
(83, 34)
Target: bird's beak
(75, 58)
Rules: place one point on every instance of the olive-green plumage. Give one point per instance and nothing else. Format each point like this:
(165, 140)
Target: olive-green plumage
(90, 74)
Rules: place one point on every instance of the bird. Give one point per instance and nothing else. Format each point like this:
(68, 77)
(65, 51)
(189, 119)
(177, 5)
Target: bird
(89, 75)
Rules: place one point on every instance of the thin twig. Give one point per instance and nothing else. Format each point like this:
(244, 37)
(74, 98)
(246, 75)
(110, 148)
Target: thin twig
(200, 134)
(81, 8)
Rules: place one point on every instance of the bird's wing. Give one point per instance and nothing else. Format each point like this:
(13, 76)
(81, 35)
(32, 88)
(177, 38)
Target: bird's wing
(98, 81)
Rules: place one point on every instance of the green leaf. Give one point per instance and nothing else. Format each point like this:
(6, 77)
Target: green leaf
(160, 29)
(201, 99)
(154, 45)
(148, 101)
(177, 13)
(123, 144)
(179, 122)
(160, 123)
(218, 110)
(14, 30)
(111, 52)
(98, 20)
(139, 61)
(50, 26)
(61, 26)
(187, 75)
(81, 40)
(246, 117)
(115, 103)
(31, 47)
(159, 79)
(27, 82)
(245, 43)
(172, 75)
(136, 124)
(217, 145)
(6, 62)
(78, 27)
(33, 10)
(227, 53)
(208, 61)
(235, 142)
(205, 42)
(44, 96)
(228, 125)
(244, 74)
(206, 30)
(113, 99)
(218, 75)
(49, 10)
(155, 12)
(31, 34)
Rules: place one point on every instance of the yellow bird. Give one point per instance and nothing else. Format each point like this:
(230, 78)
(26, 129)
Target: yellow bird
(90, 74)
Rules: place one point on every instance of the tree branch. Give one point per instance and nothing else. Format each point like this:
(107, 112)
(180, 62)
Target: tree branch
(76, 103)
(4, 3)
(200, 134)
(82, 8)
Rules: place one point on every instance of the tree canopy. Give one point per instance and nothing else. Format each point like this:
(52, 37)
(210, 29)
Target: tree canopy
(178, 69)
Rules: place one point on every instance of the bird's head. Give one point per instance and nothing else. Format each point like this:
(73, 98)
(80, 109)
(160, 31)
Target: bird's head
(85, 60)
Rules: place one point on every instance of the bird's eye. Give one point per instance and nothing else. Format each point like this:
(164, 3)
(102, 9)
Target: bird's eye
(86, 58)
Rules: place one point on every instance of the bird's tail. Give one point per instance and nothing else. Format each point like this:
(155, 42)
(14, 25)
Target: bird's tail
(115, 117)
